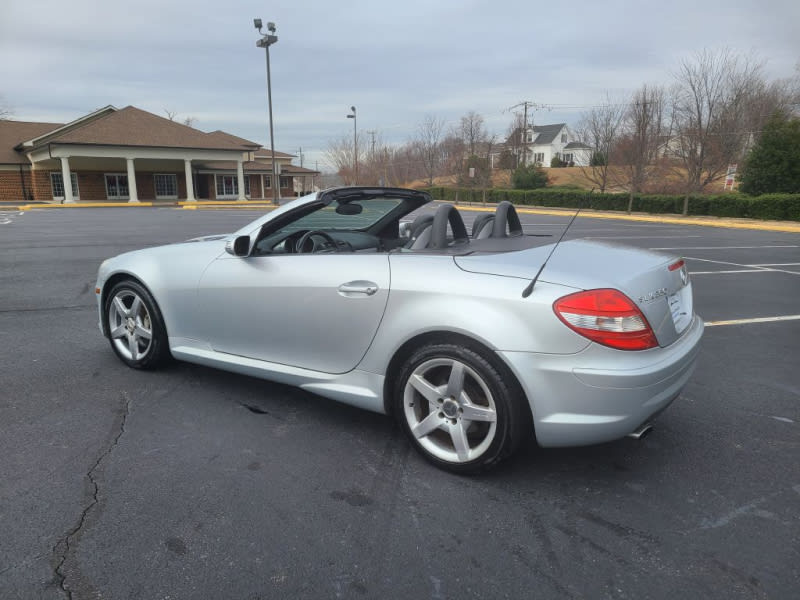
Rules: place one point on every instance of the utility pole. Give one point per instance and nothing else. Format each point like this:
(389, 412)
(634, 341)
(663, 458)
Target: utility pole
(372, 133)
(300, 154)
(534, 106)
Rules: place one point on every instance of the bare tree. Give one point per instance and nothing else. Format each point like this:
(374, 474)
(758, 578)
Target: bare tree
(173, 116)
(472, 131)
(429, 140)
(340, 156)
(708, 102)
(510, 157)
(600, 128)
(643, 130)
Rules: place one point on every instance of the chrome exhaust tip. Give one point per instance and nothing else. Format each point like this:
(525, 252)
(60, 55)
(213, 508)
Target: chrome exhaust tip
(642, 431)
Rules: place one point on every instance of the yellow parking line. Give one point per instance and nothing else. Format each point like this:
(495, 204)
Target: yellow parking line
(756, 320)
(784, 226)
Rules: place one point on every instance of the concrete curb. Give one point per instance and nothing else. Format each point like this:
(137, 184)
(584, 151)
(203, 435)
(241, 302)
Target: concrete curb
(782, 226)
(778, 226)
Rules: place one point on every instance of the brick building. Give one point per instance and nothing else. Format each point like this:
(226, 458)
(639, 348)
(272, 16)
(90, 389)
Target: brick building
(129, 155)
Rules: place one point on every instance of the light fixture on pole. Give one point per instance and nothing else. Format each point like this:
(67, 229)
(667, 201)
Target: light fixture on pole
(355, 144)
(267, 39)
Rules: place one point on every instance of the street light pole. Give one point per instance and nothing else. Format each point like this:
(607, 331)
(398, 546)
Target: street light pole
(355, 144)
(267, 39)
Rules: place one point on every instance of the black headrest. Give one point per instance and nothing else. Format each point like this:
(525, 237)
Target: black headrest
(447, 213)
(506, 217)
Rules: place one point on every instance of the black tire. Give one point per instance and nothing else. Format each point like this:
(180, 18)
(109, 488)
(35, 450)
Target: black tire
(438, 423)
(130, 314)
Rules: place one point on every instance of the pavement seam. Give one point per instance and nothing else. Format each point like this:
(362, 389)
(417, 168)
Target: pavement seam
(66, 542)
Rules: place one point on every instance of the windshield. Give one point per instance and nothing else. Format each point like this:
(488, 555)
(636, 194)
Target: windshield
(372, 211)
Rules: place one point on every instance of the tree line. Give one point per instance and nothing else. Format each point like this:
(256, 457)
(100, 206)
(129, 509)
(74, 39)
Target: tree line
(677, 138)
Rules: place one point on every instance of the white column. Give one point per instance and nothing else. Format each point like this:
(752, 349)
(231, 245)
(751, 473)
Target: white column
(240, 178)
(187, 165)
(65, 176)
(133, 195)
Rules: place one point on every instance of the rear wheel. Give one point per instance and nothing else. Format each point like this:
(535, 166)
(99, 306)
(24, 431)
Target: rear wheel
(457, 409)
(136, 329)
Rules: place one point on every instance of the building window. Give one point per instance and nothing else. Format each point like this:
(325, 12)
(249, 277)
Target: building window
(563, 138)
(57, 183)
(267, 182)
(117, 186)
(166, 185)
(286, 182)
(538, 157)
(567, 158)
(247, 185)
(227, 186)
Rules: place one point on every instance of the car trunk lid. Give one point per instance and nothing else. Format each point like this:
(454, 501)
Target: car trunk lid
(655, 281)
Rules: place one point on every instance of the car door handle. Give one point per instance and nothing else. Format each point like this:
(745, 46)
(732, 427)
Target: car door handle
(353, 288)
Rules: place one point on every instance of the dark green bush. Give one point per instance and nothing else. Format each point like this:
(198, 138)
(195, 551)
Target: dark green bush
(529, 178)
(779, 207)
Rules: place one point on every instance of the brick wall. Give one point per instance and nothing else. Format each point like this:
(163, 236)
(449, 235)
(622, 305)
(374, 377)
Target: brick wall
(42, 189)
(11, 186)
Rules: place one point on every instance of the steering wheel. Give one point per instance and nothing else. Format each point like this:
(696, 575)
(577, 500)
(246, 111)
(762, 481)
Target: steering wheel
(316, 241)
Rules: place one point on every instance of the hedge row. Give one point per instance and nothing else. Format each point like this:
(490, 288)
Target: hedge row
(779, 207)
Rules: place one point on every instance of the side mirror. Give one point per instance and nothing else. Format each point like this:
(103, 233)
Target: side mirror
(239, 246)
(405, 230)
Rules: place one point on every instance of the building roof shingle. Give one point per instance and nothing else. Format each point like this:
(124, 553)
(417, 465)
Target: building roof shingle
(13, 133)
(131, 126)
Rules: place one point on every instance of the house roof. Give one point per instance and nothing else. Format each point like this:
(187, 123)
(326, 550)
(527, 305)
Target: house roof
(13, 133)
(547, 133)
(577, 145)
(252, 166)
(131, 126)
(228, 137)
(265, 153)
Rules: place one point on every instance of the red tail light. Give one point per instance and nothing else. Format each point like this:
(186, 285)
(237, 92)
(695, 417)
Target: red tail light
(607, 317)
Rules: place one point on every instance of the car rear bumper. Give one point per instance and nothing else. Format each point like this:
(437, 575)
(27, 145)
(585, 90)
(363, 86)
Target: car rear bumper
(601, 394)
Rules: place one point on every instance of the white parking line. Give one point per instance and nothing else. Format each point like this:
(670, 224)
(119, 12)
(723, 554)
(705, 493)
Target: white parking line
(693, 273)
(638, 237)
(727, 247)
(756, 320)
(723, 262)
(776, 265)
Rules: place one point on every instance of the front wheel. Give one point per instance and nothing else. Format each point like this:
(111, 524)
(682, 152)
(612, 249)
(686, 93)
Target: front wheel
(135, 327)
(457, 408)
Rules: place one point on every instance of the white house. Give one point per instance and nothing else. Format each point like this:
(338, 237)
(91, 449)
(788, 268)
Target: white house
(539, 144)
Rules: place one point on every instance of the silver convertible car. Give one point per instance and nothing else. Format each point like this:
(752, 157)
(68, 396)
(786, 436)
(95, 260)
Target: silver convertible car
(474, 340)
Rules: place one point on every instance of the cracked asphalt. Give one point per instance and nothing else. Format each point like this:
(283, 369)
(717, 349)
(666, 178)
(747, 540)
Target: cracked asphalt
(195, 483)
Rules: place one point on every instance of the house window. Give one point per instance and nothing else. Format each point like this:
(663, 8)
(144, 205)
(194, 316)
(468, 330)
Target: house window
(117, 186)
(267, 182)
(563, 138)
(166, 185)
(227, 186)
(57, 183)
(538, 157)
(286, 182)
(567, 158)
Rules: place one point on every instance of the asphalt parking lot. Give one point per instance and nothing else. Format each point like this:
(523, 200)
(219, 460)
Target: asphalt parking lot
(196, 483)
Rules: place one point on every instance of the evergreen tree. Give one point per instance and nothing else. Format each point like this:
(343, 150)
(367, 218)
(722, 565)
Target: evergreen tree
(773, 165)
(529, 178)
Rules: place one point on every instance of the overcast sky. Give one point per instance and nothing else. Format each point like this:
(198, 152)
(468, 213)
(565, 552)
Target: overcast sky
(395, 61)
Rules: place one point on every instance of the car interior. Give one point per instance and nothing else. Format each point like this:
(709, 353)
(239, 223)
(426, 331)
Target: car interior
(442, 232)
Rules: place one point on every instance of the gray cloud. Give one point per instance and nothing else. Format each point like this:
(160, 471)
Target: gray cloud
(396, 61)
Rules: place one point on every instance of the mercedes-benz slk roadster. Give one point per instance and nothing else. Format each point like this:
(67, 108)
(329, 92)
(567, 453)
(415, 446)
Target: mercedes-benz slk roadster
(474, 340)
